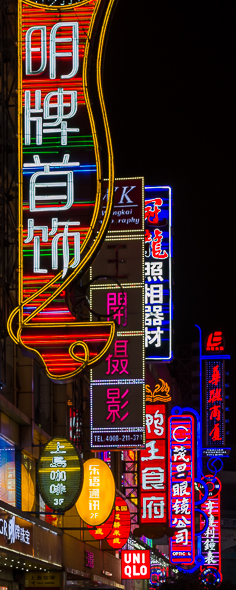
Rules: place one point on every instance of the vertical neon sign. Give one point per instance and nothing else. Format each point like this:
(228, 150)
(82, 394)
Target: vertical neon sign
(60, 179)
(158, 282)
(211, 538)
(181, 489)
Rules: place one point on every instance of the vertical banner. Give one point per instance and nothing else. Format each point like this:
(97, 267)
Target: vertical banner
(152, 468)
(181, 488)
(158, 287)
(60, 178)
(211, 538)
(215, 402)
(117, 385)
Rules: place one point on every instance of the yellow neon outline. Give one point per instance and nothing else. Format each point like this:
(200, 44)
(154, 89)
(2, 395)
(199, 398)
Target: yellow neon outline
(86, 363)
(54, 8)
(106, 217)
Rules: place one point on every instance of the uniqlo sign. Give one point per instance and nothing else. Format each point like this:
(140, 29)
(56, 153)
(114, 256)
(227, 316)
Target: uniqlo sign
(135, 565)
(152, 467)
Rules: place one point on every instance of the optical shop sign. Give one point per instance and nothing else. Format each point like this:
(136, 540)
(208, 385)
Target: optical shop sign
(15, 532)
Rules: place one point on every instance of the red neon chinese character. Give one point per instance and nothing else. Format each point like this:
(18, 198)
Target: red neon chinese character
(215, 396)
(156, 245)
(215, 375)
(215, 413)
(215, 433)
(114, 400)
(152, 210)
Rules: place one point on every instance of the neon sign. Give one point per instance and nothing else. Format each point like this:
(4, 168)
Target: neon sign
(102, 531)
(135, 564)
(215, 402)
(215, 342)
(96, 500)
(117, 384)
(181, 489)
(158, 253)
(121, 526)
(60, 474)
(211, 538)
(152, 467)
(61, 226)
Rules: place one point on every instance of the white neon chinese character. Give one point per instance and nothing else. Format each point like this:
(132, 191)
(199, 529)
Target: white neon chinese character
(29, 50)
(153, 507)
(57, 489)
(153, 452)
(181, 506)
(210, 558)
(94, 470)
(180, 489)
(65, 244)
(152, 336)
(153, 271)
(11, 536)
(94, 505)
(179, 454)
(154, 315)
(153, 477)
(57, 118)
(75, 48)
(49, 176)
(153, 294)
(182, 537)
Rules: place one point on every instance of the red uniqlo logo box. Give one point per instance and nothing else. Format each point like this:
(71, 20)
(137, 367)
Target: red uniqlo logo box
(135, 565)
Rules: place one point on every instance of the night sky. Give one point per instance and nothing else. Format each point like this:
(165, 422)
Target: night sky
(169, 81)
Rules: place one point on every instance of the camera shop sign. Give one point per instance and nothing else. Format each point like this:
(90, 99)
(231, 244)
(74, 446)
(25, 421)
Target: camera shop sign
(11, 531)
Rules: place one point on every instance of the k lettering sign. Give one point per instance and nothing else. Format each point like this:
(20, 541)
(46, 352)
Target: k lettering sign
(135, 565)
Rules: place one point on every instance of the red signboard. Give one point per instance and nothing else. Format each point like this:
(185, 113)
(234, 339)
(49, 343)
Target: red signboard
(135, 565)
(121, 525)
(152, 467)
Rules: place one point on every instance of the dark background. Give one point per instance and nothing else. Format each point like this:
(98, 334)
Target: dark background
(169, 84)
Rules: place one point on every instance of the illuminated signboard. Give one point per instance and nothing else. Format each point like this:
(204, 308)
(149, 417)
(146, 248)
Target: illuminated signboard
(215, 342)
(152, 467)
(97, 498)
(60, 474)
(181, 489)
(135, 565)
(211, 538)
(215, 403)
(61, 226)
(121, 526)
(158, 288)
(117, 384)
(102, 531)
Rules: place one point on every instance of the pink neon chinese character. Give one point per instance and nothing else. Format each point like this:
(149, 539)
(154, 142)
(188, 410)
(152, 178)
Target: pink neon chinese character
(152, 210)
(114, 400)
(118, 362)
(156, 245)
(215, 375)
(117, 307)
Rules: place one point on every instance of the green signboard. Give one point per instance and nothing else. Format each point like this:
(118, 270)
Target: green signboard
(60, 474)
